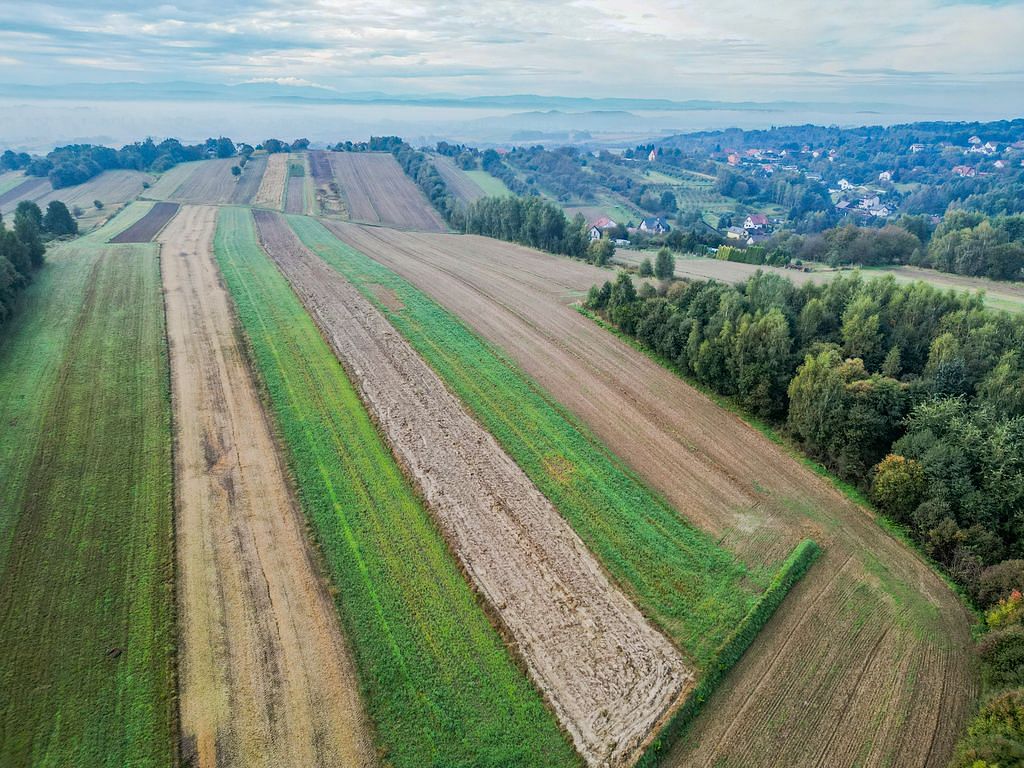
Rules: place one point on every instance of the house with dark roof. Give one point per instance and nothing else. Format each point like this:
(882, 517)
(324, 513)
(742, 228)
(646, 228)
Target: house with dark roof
(655, 225)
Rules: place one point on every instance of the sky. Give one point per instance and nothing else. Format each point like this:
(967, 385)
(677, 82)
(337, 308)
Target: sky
(893, 51)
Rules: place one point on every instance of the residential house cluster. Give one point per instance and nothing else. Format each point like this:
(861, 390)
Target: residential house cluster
(651, 225)
(756, 229)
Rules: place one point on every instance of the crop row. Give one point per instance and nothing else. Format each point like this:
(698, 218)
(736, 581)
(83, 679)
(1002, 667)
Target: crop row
(696, 590)
(438, 681)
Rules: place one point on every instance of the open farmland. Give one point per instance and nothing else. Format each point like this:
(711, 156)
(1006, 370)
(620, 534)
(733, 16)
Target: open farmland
(295, 191)
(440, 687)
(492, 186)
(275, 177)
(169, 181)
(146, 228)
(265, 677)
(9, 180)
(249, 182)
(459, 184)
(607, 673)
(377, 191)
(867, 662)
(210, 181)
(28, 188)
(112, 188)
(326, 189)
(86, 612)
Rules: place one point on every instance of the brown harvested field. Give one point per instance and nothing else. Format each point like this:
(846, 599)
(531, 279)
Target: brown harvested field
(607, 673)
(459, 184)
(31, 188)
(146, 228)
(265, 677)
(377, 191)
(169, 181)
(250, 181)
(868, 661)
(210, 182)
(275, 176)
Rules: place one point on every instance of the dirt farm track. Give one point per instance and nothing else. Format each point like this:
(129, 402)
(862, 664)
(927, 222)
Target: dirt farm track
(868, 662)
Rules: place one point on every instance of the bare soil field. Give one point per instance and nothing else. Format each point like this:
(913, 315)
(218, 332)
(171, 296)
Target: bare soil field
(265, 677)
(607, 673)
(459, 184)
(377, 191)
(146, 228)
(868, 661)
(169, 181)
(30, 189)
(210, 182)
(250, 181)
(275, 176)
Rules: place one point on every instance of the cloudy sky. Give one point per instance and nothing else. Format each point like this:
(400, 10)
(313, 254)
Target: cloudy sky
(847, 50)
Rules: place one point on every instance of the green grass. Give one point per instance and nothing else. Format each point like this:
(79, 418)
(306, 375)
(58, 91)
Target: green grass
(697, 591)
(9, 181)
(86, 576)
(439, 684)
(491, 186)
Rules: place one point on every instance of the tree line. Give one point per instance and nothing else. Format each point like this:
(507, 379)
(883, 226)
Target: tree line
(913, 394)
(22, 247)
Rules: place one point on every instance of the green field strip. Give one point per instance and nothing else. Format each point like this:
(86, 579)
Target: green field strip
(439, 684)
(694, 589)
(32, 348)
(86, 583)
(491, 185)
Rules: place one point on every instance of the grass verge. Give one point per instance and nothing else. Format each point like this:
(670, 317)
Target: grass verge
(439, 684)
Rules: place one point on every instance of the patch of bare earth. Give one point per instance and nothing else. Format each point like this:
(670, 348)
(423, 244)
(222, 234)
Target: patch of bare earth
(377, 191)
(869, 660)
(607, 673)
(275, 177)
(265, 677)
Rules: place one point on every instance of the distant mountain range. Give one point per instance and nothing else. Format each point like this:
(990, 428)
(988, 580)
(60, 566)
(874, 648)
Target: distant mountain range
(275, 92)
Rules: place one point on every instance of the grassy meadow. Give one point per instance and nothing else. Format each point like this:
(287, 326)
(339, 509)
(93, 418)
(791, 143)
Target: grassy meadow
(86, 559)
(440, 686)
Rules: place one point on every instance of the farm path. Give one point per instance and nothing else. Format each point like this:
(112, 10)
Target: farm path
(869, 660)
(265, 676)
(608, 674)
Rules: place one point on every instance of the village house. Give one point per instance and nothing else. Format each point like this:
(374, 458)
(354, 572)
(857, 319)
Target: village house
(974, 140)
(881, 211)
(964, 171)
(736, 233)
(733, 159)
(999, 164)
(845, 185)
(655, 225)
(885, 176)
(755, 221)
(757, 238)
(915, 148)
(652, 156)
(869, 202)
(600, 226)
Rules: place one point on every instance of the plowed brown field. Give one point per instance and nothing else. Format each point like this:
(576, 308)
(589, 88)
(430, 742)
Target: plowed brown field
(459, 184)
(608, 674)
(210, 182)
(250, 181)
(377, 191)
(868, 662)
(265, 677)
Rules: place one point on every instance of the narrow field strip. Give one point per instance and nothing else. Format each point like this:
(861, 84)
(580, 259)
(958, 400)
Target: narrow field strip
(377, 191)
(439, 684)
(607, 673)
(146, 228)
(250, 181)
(272, 185)
(694, 589)
(86, 609)
(265, 677)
